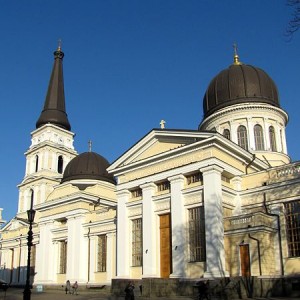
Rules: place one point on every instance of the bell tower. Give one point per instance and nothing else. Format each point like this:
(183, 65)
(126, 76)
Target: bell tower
(51, 143)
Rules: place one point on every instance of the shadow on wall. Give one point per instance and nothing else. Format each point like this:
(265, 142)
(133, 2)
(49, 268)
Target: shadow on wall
(16, 276)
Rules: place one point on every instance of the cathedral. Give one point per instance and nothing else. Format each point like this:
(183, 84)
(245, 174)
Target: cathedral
(214, 203)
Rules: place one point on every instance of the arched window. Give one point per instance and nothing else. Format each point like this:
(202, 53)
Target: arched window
(226, 133)
(36, 163)
(272, 138)
(259, 137)
(242, 137)
(60, 164)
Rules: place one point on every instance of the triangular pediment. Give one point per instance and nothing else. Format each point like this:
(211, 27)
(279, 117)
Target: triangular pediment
(14, 224)
(158, 142)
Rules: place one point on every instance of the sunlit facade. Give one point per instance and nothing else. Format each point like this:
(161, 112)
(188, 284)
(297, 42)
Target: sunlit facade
(220, 201)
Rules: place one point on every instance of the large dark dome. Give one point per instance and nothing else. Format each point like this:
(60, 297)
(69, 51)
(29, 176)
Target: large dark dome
(239, 84)
(87, 165)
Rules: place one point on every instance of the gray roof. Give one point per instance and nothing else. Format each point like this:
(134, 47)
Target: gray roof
(88, 165)
(239, 84)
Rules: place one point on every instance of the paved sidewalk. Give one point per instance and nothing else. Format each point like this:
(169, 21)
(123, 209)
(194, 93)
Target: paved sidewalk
(17, 294)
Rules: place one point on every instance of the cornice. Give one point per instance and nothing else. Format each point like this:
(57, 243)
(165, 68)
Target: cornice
(243, 107)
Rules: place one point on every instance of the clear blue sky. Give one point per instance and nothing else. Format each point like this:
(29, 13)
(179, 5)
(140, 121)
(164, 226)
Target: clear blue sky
(129, 64)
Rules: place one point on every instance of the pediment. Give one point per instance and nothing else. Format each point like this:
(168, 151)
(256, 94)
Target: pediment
(158, 142)
(14, 224)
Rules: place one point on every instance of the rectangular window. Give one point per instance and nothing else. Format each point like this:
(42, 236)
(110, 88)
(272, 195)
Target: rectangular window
(197, 234)
(292, 217)
(192, 178)
(102, 248)
(63, 257)
(225, 178)
(163, 186)
(136, 193)
(137, 242)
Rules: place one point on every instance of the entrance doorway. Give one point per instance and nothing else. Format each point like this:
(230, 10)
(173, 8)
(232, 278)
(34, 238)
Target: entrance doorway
(165, 245)
(245, 261)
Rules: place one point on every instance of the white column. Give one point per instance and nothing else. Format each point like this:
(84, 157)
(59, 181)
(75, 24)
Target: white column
(250, 134)
(278, 138)
(24, 252)
(266, 134)
(42, 193)
(214, 229)
(46, 160)
(27, 168)
(123, 247)
(41, 162)
(21, 201)
(77, 250)
(284, 141)
(178, 223)
(233, 132)
(111, 256)
(149, 232)
(237, 185)
(278, 210)
(54, 161)
(45, 267)
(93, 258)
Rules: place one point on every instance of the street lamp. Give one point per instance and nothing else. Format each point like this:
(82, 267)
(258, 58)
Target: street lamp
(30, 215)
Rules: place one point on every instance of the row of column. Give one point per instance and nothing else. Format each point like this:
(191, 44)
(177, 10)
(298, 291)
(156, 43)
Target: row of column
(215, 254)
(249, 124)
(80, 249)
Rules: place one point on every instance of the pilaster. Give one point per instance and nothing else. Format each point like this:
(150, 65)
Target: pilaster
(250, 134)
(178, 221)
(75, 270)
(149, 232)
(123, 247)
(111, 256)
(214, 229)
(237, 185)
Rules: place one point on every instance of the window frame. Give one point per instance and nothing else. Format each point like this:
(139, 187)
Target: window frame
(196, 234)
(63, 248)
(226, 133)
(242, 137)
(102, 253)
(259, 137)
(60, 164)
(272, 137)
(137, 242)
(292, 220)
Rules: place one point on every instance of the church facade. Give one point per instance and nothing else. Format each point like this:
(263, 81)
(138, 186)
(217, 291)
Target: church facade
(216, 202)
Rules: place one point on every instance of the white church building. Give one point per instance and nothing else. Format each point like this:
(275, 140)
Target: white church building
(221, 201)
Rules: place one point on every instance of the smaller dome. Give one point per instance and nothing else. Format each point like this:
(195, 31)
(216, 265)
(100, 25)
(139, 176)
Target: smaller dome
(88, 165)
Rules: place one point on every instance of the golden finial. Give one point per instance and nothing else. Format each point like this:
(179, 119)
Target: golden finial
(59, 45)
(236, 59)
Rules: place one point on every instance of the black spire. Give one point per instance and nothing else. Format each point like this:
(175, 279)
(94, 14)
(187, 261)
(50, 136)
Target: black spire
(54, 111)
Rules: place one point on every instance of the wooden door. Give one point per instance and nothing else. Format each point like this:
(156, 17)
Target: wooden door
(165, 245)
(245, 260)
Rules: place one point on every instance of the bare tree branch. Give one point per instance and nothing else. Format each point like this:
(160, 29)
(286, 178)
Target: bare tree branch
(294, 23)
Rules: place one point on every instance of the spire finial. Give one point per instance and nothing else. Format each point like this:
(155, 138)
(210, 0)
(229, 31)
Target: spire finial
(58, 53)
(236, 59)
(162, 124)
(59, 45)
(90, 145)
